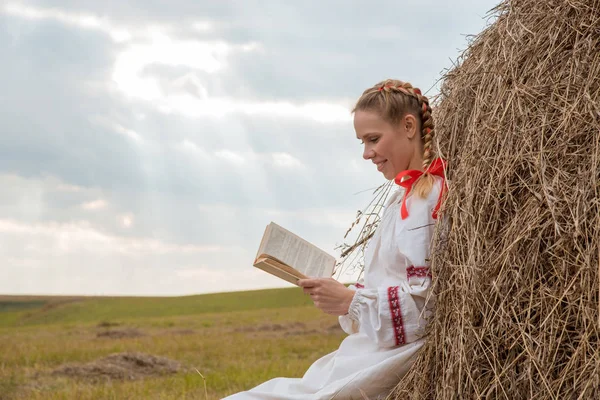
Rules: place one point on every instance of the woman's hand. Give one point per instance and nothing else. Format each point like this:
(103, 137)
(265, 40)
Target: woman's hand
(329, 295)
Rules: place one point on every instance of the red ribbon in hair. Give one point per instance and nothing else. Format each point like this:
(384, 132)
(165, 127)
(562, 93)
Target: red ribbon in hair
(407, 178)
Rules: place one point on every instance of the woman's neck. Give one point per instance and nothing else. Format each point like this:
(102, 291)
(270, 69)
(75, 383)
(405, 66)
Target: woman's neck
(416, 163)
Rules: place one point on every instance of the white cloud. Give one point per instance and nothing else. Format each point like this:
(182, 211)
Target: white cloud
(93, 22)
(127, 220)
(281, 160)
(58, 238)
(75, 259)
(210, 57)
(231, 156)
(337, 218)
(67, 187)
(211, 277)
(207, 56)
(191, 148)
(219, 107)
(93, 205)
(29, 198)
(128, 133)
(156, 45)
(205, 273)
(286, 160)
(203, 26)
(85, 21)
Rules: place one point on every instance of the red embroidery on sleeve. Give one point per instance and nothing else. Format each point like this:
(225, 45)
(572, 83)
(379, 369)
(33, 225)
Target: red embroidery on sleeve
(396, 313)
(419, 272)
(359, 286)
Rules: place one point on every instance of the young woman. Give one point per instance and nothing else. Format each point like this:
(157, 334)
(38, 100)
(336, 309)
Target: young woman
(384, 314)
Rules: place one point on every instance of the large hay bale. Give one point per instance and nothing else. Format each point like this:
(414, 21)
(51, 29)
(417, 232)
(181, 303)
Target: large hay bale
(517, 273)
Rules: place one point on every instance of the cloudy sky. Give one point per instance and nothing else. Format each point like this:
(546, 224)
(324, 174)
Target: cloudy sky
(145, 145)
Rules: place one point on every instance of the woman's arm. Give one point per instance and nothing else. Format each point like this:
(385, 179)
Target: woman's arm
(390, 316)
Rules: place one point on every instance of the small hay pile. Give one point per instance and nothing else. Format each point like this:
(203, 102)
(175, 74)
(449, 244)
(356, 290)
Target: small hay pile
(517, 273)
(120, 366)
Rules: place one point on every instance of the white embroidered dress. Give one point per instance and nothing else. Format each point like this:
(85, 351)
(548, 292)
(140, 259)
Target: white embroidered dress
(386, 317)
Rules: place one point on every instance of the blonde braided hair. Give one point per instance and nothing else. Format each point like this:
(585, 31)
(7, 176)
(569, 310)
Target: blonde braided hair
(393, 99)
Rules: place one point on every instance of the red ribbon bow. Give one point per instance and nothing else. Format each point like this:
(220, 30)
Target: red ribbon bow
(410, 176)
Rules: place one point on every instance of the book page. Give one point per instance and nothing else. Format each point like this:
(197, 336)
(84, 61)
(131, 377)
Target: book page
(279, 270)
(296, 252)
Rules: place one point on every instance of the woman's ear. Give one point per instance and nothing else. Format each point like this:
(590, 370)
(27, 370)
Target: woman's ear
(409, 123)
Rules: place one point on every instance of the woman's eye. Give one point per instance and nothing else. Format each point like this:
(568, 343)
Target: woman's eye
(371, 140)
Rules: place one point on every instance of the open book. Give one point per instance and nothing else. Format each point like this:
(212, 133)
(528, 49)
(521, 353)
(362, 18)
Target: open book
(289, 257)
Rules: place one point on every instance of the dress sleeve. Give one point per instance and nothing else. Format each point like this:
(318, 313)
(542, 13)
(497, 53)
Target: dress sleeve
(392, 316)
(348, 324)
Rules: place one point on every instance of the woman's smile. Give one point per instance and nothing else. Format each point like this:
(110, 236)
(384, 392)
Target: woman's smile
(380, 165)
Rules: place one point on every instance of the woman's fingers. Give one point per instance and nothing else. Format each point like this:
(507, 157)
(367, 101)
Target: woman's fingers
(306, 283)
(327, 294)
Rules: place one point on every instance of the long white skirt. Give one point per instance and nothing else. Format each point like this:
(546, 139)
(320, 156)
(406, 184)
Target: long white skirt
(358, 367)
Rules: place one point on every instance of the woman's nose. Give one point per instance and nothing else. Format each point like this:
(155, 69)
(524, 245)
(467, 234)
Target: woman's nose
(368, 153)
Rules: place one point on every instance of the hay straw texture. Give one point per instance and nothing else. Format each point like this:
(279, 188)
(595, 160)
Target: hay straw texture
(517, 273)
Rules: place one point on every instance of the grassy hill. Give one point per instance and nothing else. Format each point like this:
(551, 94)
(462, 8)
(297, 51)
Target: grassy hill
(56, 347)
(36, 310)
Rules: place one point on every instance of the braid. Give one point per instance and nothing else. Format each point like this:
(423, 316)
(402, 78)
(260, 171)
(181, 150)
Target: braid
(427, 132)
(392, 86)
(394, 108)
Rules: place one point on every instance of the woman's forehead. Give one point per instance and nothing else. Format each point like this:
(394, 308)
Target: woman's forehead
(369, 121)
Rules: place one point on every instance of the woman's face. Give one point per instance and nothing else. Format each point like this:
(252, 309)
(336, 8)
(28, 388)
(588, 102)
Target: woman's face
(392, 149)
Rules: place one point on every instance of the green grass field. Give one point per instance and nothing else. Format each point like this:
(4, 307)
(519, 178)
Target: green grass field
(235, 340)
